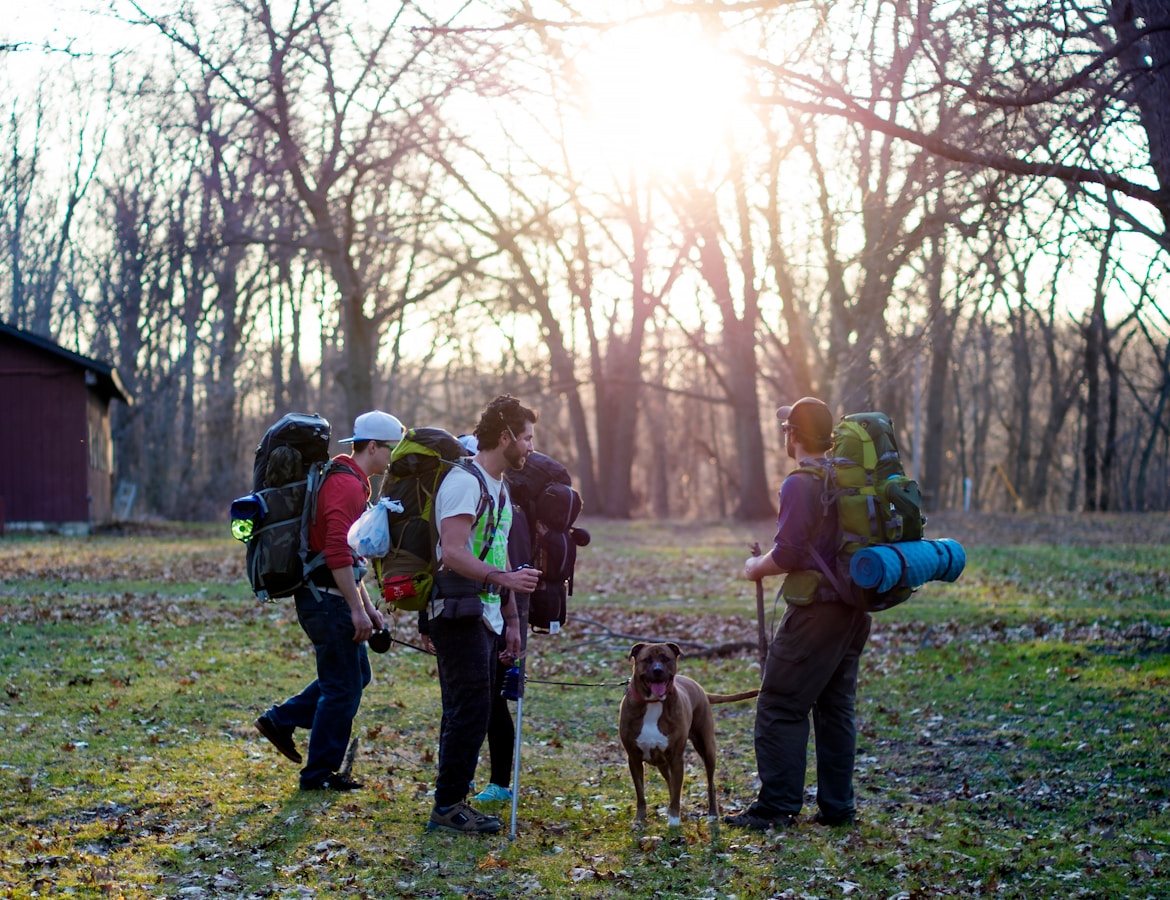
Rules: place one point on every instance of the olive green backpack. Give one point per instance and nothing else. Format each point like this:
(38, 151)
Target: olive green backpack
(877, 503)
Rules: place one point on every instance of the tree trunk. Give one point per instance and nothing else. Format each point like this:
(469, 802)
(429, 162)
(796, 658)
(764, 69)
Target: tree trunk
(940, 343)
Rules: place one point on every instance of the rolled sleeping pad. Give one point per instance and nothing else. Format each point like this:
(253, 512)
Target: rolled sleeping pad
(908, 563)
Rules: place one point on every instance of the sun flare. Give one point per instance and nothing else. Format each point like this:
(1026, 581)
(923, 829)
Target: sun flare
(659, 95)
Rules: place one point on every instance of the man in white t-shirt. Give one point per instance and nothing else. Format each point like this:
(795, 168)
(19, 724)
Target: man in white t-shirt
(473, 604)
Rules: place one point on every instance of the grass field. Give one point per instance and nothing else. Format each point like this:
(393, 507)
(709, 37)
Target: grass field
(1014, 730)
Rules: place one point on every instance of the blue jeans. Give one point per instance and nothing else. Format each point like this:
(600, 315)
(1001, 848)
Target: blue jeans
(328, 705)
(811, 668)
(466, 652)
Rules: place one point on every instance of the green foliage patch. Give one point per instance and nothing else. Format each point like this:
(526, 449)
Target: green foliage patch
(1013, 735)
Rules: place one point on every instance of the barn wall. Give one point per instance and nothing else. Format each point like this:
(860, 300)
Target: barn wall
(43, 454)
(100, 459)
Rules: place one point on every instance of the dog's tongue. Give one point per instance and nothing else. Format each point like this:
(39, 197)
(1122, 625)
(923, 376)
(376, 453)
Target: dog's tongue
(658, 688)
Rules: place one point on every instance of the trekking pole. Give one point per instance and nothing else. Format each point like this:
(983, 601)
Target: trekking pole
(763, 632)
(514, 689)
(347, 764)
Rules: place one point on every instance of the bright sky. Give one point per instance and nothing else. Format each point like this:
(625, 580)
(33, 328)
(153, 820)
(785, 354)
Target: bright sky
(35, 21)
(663, 94)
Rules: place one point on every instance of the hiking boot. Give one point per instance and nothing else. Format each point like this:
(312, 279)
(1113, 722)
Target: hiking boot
(833, 821)
(493, 793)
(334, 782)
(462, 819)
(757, 822)
(280, 738)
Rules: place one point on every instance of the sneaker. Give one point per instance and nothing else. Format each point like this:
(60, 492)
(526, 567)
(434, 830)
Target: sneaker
(333, 782)
(462, 819)
(833, 821)
(757, 822)
(493, 793)
(280, 738)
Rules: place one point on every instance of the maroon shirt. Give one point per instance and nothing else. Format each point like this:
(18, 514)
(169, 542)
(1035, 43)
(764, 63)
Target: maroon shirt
(341, 500)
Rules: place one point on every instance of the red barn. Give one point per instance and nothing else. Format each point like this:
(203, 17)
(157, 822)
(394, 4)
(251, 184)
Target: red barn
(56, 454)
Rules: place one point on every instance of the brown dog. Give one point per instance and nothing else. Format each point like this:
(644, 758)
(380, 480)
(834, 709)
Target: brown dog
(660, 710)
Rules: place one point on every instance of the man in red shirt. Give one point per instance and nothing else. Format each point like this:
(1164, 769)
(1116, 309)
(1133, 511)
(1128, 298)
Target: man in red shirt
(338, 616)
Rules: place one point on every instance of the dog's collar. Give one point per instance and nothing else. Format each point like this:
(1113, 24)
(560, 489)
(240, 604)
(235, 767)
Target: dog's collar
(652, 699)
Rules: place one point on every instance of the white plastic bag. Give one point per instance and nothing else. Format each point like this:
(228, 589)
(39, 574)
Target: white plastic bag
(369, 535)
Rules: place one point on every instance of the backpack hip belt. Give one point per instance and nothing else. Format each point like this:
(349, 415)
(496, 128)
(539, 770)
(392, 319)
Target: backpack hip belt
(452, 584)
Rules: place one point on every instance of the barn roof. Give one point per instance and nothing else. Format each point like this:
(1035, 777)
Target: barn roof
(104, 376)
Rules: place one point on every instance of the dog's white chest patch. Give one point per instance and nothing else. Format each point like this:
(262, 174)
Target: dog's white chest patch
(651, 738)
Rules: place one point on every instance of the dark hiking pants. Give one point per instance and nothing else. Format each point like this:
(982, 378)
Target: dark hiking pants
(466, 652)
(811, 668)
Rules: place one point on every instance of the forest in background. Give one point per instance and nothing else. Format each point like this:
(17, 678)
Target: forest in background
(955, 212)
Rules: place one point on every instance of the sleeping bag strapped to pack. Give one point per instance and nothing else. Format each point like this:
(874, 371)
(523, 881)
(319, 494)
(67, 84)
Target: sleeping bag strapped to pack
(418, 465)
(292, 462)
(547, 505)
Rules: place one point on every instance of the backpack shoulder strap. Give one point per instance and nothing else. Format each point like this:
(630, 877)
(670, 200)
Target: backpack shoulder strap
(485, 504)
(828, 478)
(318, 472)
(493, 508)
(829, 494)
(485, 498)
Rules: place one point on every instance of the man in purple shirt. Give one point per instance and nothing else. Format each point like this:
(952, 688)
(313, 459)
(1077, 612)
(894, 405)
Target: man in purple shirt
(813, 659)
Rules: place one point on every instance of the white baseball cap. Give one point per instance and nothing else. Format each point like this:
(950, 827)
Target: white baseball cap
(375, 426)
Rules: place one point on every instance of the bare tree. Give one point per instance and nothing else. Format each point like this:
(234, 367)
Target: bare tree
(1153, 400)
(54, 148)
(724, 248)
(136, 284)
(347, 104)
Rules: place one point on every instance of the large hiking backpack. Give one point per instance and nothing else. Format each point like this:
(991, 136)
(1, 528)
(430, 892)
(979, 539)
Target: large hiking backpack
(418, 465)
(547, 506)
(292, 462)
(876, 502)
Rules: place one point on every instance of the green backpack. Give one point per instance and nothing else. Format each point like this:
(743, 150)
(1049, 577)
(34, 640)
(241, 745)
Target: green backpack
(418, 465)
(876, 504)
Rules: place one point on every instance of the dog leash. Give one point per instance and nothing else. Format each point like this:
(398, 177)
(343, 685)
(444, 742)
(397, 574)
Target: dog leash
(527, 680)
(621, 684)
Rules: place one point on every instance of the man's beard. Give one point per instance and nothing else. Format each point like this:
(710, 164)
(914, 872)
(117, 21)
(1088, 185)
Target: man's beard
(514, 457)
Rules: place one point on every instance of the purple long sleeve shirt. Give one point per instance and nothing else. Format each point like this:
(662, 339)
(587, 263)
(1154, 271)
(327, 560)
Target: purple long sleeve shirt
(804, 520)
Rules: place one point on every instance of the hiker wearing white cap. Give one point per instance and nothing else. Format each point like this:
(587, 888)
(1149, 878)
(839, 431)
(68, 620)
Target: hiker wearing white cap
(375, 426)
(812, 662)
(339, 617)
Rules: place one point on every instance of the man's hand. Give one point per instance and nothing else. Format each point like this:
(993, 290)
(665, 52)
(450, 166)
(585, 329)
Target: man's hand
(371, 608)
(759, 567)
(362, 626)
(522, 580)
(513, 640)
